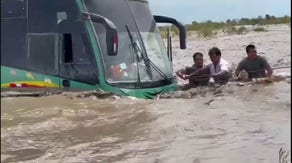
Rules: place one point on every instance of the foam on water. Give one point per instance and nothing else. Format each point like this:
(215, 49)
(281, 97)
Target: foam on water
(250, 123)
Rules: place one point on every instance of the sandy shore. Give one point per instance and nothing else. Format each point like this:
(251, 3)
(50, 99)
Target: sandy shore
(274, 44)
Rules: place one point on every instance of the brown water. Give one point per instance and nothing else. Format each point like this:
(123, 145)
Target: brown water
(239, 124)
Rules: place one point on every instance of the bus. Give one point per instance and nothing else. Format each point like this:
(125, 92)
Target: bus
(109, 45)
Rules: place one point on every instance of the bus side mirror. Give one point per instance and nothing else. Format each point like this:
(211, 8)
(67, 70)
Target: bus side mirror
(111, 31)
(180, 26)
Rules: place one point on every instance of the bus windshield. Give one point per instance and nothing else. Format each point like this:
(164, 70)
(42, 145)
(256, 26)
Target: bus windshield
(129, 66)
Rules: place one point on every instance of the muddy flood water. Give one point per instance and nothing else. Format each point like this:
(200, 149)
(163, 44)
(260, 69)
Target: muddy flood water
(234, 124)
(238, 123)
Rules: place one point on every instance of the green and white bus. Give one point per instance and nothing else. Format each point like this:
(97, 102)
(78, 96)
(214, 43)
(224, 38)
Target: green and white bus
(111, 45)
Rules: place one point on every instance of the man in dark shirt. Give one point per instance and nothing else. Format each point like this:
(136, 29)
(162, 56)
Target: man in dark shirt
(255, 65)
(198, 64)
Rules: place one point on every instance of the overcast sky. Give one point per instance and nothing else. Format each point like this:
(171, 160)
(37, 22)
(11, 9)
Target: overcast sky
(219, 10)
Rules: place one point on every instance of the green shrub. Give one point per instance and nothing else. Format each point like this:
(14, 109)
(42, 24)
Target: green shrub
(206, 32)
(241, 30)
(233, 30)
(209, 28)
(230, 29)
(259, 29)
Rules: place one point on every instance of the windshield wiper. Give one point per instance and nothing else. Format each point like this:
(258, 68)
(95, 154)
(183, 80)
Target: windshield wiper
(145, 58)
(137, 50)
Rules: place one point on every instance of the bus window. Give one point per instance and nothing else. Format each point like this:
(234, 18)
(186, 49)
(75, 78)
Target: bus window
(78, 60)
(13, 44)
(13, 8)
(61, 16)
(13, 33)
(42, 16)
(68, 50)
(43, 53)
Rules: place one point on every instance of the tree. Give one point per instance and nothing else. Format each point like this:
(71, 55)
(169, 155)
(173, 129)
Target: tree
(209, 21)
(267, 17)
(234, 21)
(260, 17)
(244, 21)
(287, 17)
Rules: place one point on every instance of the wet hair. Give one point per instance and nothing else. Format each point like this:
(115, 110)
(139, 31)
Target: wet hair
(215, 50)
(249, 47)
(197, 54)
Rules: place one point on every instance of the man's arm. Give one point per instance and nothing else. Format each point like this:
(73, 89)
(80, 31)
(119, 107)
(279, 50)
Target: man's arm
(200, 72)
(181, 73)
(224, 74)
(270, 72)
(268, 68)
(239, 68)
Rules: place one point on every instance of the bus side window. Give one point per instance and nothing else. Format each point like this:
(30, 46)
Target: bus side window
(68, 50)
(42, 16)
(13, 9)
(43, 53)
(77, 58)
(78, 61)
(13, 33)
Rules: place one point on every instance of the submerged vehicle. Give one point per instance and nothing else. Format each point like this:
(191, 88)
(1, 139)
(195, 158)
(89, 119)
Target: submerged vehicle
(112, 45)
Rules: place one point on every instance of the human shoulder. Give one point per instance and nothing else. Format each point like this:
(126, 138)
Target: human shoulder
(208, 65)
(262, 58)
(190, 69)
(223, 62)
(244, 61)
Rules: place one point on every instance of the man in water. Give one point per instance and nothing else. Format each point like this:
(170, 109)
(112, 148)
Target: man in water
(219, 69)
(255, 65)
(198, 64)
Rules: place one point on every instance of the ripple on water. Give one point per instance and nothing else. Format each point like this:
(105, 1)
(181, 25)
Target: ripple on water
(244, 126)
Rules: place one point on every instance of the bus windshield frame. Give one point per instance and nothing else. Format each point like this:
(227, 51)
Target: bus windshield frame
(129, 68)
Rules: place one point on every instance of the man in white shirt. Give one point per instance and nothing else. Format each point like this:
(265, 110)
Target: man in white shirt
(219, 69)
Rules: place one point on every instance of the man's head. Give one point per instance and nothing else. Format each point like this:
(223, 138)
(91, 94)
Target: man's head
(198, 59)
(251, 51)
(215, 55)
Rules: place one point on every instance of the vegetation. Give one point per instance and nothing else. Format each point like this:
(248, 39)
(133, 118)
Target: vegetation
(235, 26)
(259, 29)
(235, 29)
